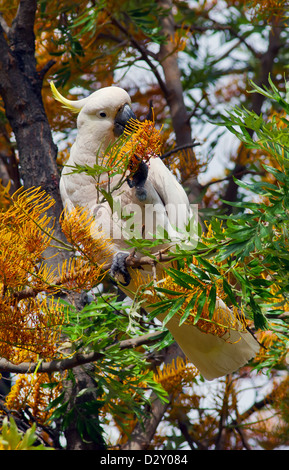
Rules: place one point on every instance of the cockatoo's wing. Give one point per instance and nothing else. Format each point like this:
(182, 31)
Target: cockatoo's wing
(169, 189)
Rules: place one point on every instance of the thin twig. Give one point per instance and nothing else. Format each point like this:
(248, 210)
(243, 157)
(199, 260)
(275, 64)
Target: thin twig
(230, 177)
(46, 68)
(143, 52)
(178, 148)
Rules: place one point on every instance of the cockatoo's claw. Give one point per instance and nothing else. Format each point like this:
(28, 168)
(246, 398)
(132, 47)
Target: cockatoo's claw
(119, 268)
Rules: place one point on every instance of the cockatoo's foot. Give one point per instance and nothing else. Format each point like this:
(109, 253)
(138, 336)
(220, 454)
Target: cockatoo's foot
(118, 267)
(138, 180)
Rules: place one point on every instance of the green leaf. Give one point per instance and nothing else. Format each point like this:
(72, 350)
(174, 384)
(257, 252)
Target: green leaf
(260, 320)
(212, 300)
(279, 175)
(183, 279)
(168, 291)
(160, 308)
(200, 306)
(189, 307)
(173, 310)
(229, 292)
(199, 273)
(209, 267)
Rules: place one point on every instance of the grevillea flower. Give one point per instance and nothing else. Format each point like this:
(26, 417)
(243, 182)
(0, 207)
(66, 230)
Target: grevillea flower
(141, 142)
(172, 376)
(28, 391)
(30, 317)
(79, 228)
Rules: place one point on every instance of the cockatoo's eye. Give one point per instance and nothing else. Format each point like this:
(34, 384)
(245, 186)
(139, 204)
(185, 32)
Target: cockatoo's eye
(102, 114)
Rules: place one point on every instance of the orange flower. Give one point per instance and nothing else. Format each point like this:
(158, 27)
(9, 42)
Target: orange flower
(28, 391)
(142, 142)
(172, 376)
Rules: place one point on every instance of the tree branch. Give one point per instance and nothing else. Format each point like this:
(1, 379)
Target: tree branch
(20, 88)
(143, 53)
(46, 68)
(169, 61)
(238, 174)
(143, 433)
(22, 29)
(257, 406)
(178, 148)
(75, 361)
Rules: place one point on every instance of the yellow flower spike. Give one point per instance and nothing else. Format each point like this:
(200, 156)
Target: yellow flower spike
(143, 142)
(172, 376)
(77, 274)
(25, 233)
(29, 327)
(28, 391)
(79, 228)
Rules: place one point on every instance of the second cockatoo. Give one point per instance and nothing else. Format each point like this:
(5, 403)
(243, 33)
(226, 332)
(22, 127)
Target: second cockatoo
(102, 118)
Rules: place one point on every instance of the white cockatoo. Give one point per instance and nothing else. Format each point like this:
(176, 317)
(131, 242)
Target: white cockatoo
(102, 117)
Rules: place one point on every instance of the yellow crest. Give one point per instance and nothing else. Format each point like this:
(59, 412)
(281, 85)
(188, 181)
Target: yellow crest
(74, 106)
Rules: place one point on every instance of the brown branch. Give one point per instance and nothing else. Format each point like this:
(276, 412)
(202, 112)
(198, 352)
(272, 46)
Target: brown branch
(243, 41)
(143, 52)
(178, 148)
(257, 406)
(238, 175)
(131, 261)
(77, 360)
(238, 423)
(46, 68)
(22, 29)
(216, 26)
(243, 438)
(168, 58)
(185, 432)
(197, 105)
(134, 262)
(224, 413)
(142, 435)
(20, 88)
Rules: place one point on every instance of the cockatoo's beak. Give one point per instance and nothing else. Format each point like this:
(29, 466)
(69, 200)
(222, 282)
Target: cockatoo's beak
(121, 119)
